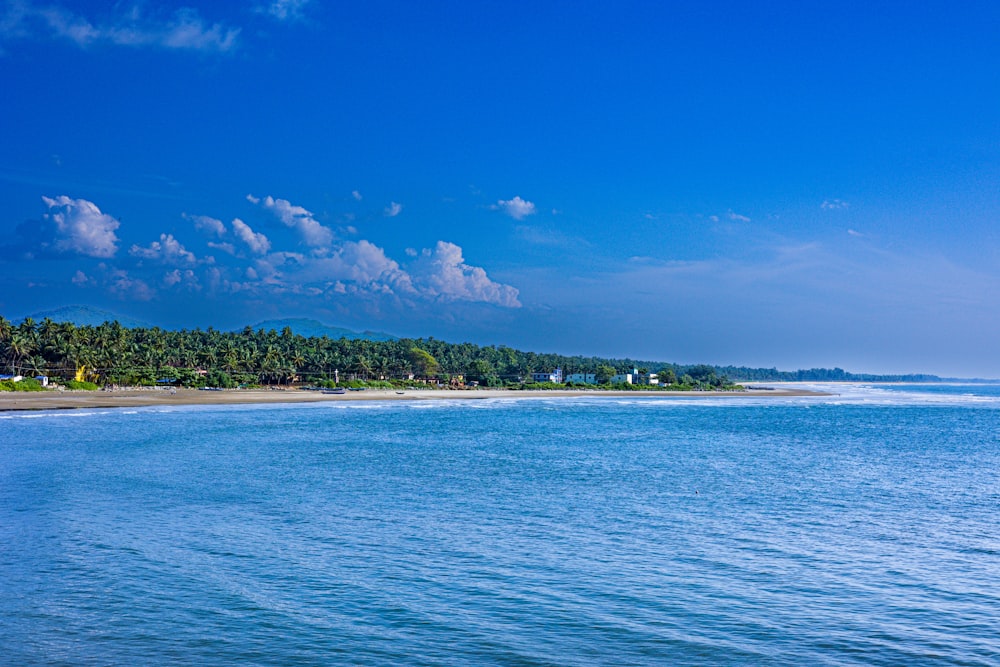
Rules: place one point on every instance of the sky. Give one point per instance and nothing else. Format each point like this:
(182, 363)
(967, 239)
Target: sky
(782, 184)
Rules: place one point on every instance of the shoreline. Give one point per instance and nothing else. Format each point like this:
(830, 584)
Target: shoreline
(132, 398)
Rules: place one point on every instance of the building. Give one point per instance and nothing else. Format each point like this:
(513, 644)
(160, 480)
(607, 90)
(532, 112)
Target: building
(582, 378)
(635, 377)
(555, 376)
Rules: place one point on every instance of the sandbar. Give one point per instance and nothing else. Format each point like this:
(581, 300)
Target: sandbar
(144, 397)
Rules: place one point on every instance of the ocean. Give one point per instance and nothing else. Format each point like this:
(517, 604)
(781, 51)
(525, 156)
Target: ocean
(859, 528)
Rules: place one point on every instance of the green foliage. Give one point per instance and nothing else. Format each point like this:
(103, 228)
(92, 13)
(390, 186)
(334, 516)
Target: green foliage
(80, 385)
(423, 362)
(112, 354)
(604, 373)
(217, 378)
(27, 384)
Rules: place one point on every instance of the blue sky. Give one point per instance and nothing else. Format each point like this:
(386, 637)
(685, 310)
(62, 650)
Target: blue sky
(791, 185)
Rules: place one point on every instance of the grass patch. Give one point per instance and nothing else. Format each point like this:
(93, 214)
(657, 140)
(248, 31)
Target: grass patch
(76, 384)
(27, 384)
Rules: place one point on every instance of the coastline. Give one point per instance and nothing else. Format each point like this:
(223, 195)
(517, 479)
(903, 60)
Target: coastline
(131, 398)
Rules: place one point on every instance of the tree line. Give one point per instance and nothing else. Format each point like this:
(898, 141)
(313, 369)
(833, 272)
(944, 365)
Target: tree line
(109, 354)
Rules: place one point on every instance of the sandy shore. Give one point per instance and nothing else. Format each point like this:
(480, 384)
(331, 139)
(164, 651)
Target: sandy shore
(130, 398)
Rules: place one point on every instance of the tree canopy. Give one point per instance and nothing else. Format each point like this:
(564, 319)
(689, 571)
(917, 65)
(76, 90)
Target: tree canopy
(112, 354)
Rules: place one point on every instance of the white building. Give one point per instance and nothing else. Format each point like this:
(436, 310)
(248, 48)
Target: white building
(582, 378)
(635, 377)
(555, 376)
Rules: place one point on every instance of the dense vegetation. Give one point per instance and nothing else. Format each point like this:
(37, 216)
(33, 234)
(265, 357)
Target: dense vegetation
(112, 354)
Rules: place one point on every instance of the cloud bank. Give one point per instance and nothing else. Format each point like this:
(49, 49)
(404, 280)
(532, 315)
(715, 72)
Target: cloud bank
(254, 266)
(185, 29)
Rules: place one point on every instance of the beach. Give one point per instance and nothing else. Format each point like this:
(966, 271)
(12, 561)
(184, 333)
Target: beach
(143, 397)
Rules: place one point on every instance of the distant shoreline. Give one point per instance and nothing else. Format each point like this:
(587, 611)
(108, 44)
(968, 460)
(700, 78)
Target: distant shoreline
(132, 398)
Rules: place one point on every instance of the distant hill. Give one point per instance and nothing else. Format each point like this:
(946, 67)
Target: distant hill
(316, 329)
(83, 316)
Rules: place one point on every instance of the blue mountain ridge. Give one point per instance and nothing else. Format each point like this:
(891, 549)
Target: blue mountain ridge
(87, 316)
(90, 316)
(315, 329)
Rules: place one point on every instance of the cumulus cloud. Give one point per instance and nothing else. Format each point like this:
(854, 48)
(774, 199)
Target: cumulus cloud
(185, 278)
(393, 209)
(443, 273)
(833, 204)
(736, 217)
(284, 10)
(356, 195)
(360, 262)
(227, 248)
(258, 243)
(362, 268)
(185, 29)
(516, 208)
(297, 217)
(357, 269)
(78, 226)
(167, 250)
(207, 224)
(119, 283)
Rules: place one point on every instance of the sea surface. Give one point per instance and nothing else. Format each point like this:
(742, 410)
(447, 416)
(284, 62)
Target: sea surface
(859, 528)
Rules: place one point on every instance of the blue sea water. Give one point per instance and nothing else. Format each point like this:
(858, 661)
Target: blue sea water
(858, 528)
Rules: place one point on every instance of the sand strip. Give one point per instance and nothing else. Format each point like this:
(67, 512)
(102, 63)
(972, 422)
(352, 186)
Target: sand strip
(129, 398)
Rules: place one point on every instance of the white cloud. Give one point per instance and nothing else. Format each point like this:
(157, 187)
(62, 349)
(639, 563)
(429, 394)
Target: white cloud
(80, 278)
(123, 286)
(207, 224)
(393, 209)
(227, 248)
(184, 30)
(80, 227)
(363, 269)
(736, 217)
(516, 208)
(356, 195)
(442, 272)
(833, 204)
(167, 250)
(186, 278)
(285, 10)
(258, 243)
(312, 232)
(340, 267)
(360, 262)
(172, 278)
